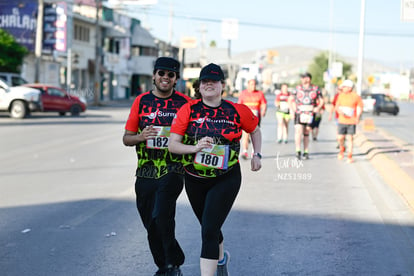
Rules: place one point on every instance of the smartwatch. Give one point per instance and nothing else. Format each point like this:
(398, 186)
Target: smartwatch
(258, 155)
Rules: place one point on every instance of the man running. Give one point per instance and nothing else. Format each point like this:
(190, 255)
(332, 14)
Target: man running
(349, 107)
(257, 103)
(305, 101)
(160, 174)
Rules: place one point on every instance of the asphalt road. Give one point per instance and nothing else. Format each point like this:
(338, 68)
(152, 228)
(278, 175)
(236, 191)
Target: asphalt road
(67, 207)
(400, 126)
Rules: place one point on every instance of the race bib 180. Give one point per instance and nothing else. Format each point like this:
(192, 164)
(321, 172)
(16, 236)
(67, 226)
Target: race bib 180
(216, 157)
(161, 140)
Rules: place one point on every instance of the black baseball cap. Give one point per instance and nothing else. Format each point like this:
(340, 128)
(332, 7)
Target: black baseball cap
(306, 75)
(167, 63)
(211, 72)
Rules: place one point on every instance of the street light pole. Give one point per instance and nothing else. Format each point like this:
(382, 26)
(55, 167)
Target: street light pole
(361, 48)
(39, 39)
(97, 79)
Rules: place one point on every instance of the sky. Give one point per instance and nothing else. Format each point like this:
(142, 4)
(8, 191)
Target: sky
(262, 24)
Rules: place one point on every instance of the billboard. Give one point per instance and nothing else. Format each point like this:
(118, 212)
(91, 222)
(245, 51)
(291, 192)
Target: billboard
(54, 27)
(407, 10)
(18, 18)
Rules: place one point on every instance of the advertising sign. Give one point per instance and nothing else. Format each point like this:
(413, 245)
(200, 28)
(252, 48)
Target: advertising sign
(18, 18)
(54, 27)
(230, 29)
(407, 10)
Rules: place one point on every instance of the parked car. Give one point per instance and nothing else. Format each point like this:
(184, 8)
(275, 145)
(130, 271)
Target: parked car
(56, 99)
(384, 103)
(19, 101)
(379, 103)
(12, 79)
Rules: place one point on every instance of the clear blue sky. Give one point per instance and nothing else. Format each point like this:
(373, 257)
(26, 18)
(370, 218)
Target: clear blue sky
(271, 23)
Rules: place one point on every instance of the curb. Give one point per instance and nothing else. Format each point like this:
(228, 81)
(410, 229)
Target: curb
(392, 158)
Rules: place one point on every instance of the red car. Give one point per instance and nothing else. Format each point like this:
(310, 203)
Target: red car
(58, 100)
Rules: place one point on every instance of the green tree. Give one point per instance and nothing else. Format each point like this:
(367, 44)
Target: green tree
(11, 53)
(213, 44)
(320, 65)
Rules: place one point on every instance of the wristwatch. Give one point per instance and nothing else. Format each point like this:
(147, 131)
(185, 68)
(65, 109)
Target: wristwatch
(258, 155)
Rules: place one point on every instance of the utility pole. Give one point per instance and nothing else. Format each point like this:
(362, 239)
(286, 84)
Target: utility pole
(39, 39)
(361, 48)
(97, 76)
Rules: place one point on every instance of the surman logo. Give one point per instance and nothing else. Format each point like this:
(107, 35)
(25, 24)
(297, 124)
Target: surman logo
(160, 113)
(202, 120)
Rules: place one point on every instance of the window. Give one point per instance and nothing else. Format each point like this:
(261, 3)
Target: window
(81, 33)
(16, 81)
(55, 92)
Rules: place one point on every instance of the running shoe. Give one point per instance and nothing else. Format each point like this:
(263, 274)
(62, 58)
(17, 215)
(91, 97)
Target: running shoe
(286, 141)
(298, 155)
(279, 141)
(222, 265)
(159, 273)
(174, 271)
(350, 160)
(306, 156)
(340, 156)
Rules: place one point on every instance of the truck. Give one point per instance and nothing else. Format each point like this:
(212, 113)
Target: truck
(19, 101)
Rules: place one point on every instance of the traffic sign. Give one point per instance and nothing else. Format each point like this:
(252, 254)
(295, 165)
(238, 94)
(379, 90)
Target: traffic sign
(230, 28)
(407, 10)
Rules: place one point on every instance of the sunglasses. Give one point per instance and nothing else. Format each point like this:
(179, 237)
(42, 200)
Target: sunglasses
(170, 74)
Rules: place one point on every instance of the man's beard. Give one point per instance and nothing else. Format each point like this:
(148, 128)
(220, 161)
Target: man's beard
(163, 90)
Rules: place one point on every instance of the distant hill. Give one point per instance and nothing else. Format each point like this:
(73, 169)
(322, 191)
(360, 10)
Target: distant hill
(294, 59)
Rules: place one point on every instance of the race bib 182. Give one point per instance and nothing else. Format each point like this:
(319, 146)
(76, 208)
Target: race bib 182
(161, 140)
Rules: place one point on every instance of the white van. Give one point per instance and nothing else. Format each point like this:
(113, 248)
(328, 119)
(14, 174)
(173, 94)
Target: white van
(12, 79)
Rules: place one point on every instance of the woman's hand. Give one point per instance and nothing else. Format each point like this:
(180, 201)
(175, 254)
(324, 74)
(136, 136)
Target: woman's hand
(203, 143)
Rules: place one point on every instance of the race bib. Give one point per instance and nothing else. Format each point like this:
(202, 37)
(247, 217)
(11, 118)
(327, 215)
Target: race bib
(284, 107)
(348, 111)
(306, 118)
(216, 157)
(161, 140)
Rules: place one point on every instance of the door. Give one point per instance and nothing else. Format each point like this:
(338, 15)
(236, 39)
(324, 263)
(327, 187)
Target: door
(56, 100)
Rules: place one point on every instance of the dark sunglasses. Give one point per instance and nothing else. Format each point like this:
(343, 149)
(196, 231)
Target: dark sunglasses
(170, 74)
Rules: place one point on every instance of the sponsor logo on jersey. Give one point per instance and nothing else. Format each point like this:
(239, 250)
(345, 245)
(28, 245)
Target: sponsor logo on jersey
(160, 113)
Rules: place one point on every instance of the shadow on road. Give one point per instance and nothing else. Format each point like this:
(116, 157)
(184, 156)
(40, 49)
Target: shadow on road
(106, 237)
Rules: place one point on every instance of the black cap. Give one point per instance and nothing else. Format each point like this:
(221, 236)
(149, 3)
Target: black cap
(211, 72)
(306, 74)
(167, 63)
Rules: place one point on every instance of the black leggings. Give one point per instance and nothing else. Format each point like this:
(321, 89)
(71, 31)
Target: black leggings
(156, 203)
(211, 200)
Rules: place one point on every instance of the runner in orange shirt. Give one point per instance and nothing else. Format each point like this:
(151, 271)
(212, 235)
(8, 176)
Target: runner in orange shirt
(257, 103)
(349, 107)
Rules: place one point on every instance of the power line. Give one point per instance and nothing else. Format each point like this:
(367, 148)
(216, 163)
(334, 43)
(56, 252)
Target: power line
(285, 27)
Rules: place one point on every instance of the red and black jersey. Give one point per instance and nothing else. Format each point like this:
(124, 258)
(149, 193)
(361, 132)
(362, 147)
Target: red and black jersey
(306, 96)
(154, 159)
(281, 102)
(224, 124)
